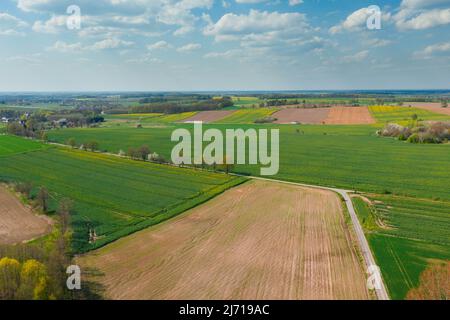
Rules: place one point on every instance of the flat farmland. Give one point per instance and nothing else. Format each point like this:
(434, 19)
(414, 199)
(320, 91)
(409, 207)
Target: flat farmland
(147, 118)
(248, 115)
(406, 236)
(114, 196)
(403, 114)
(209, 116)
(260, 240)
(349, 116)
(17, 222)
(302, 115)
(349, 157)
(430, 106)
(12, 145)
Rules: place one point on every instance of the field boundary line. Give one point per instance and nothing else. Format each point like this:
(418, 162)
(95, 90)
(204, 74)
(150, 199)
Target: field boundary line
(382, 293)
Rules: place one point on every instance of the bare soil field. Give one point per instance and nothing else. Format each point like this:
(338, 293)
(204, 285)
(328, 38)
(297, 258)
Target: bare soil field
(305, 116)
(209, 116)
(17, 222)
(430, 106)
(349, 115)
(261, 240)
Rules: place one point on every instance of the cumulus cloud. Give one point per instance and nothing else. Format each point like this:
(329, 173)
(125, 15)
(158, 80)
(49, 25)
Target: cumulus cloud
(123, 13)
(52, 25)
(422, 14)
(357, 21)
(180, 14)
(257, 25)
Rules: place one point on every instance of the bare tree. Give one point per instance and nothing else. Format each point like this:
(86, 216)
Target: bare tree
(42, 198)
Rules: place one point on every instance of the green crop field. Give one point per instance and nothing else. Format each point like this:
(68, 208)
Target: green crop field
(132, 116)
(145, 118)
(246, 101)
(414, 233)
(170, 118)
(351, 157)
(248, 115)
(10, 145)
(112, 195)
(403, 114)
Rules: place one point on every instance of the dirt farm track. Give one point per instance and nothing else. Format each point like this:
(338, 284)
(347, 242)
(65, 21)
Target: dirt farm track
(18, 223)
(261, 240)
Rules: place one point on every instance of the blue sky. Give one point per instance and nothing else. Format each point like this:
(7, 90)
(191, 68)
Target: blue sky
(155, 45)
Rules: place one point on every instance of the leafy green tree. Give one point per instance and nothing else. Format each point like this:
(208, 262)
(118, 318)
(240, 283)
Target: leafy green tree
(144, 151)
(71, 142)
(34, 281)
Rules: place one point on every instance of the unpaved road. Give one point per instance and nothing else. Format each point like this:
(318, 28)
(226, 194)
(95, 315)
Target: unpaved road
(260, 240)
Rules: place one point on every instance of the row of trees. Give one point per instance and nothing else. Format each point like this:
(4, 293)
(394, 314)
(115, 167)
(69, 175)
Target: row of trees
(173, 107)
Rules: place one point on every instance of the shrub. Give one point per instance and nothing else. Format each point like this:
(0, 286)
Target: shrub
(414, 138)
(266, 120)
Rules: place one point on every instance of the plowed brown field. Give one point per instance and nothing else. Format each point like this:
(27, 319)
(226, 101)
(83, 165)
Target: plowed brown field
(18, 223)
(430, 106)
(209, 116)
(349, 115)
(305, 116)
(261, 240)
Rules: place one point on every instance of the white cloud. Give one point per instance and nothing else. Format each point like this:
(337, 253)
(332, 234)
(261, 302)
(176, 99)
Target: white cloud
(180, 14)
(78, 47)
(111, 43)
(418, 14)
(256, 24)
(295, 2)
(376, 43)
(159, 45)
(11, 25)
(123, 13)
(32, 59)
(63, 47)
(189, 47)
(53, 25)
(357, 57)
(428, 52)
(425, 20)
(357, 21)
(144, 59)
